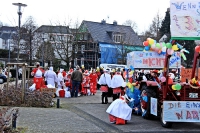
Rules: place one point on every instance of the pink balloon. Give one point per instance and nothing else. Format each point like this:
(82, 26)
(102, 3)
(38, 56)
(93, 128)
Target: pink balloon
(170, 51)
(162, 79)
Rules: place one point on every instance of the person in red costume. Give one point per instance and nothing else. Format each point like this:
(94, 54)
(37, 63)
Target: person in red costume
(93, 82)
(38, 76)
(85, 83)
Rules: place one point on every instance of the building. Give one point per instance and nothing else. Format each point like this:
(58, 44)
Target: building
(60, 38)
(100, 42)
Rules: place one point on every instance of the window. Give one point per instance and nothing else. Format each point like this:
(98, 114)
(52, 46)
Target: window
(118, 38)
(76, 48)
(82, 48)
(82, 61)
(75, 62)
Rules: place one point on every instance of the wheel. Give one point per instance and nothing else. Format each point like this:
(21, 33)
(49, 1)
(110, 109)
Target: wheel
(146, 94)
(164, 123)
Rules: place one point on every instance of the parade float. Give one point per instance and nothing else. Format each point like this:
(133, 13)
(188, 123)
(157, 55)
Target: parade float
(169, 100)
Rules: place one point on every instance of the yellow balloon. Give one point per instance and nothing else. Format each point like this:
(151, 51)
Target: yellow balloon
(151, 41)
(129, 85)
(175, 47)
(173, 87)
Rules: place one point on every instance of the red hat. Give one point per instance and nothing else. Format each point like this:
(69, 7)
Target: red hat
(86, 72)
(70, 71)
(155, 71)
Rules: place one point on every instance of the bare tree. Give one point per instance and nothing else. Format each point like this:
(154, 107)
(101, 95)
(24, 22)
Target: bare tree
(155, 26)
(132, 24)
(29, 45)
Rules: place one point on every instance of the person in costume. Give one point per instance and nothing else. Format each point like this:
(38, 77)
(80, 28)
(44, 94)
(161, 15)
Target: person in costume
(85, 83)
(116, 84)
(93, 82)
(38, 73)
(119, 111)
(104, 82)
(68, 82)
(60, 79)
(50, 77)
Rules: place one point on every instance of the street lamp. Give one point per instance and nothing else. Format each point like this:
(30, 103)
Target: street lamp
(20, 14)
(43, 38)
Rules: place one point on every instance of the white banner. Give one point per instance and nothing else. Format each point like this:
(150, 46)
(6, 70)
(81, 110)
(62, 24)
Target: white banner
(185, 18)
(181, 111)
(154, 106)
(151, 59)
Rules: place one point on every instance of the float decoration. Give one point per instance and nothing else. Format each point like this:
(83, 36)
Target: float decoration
(162, 48)
(194, 83)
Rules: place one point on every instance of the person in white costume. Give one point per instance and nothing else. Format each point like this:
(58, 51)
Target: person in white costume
(51, 77)
(104, 82)
(116, 84)
(60, 79)
(119, 111)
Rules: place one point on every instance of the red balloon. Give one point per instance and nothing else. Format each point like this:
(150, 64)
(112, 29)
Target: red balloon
(197, 48)
(170, 81)
(145, 43)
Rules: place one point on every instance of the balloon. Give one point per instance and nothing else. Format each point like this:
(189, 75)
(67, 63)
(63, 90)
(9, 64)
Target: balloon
(151, 41)
(174, 47)
(183, 56)
(153, 46)
(132, 68)
(170, 51)
(173, 87)
(163, 44)
(170, 81)
(145, 43)
(157, 45)
(168, 45)
(164, 49)
(197, 48)
(147, 48)
(178, 86)
(129, 85)
(162, 79)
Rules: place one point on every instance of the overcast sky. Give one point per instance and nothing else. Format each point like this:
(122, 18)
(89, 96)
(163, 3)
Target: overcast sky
(47, 12)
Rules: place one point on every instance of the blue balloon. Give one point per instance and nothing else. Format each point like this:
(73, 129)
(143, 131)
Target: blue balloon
(147, 48)
(132, 68)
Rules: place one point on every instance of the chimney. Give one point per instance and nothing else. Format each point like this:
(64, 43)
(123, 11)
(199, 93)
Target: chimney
(103, 21)
(114, 22)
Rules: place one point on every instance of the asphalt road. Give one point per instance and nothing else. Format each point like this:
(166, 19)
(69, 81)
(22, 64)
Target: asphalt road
(87, 114)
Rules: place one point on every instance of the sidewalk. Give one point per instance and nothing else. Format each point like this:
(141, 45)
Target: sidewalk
(87, 114)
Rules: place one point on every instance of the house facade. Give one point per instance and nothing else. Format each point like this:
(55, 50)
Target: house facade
(59, 38)
(100, 42)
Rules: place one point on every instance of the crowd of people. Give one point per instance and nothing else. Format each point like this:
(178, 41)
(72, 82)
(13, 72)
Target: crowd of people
(80, 81)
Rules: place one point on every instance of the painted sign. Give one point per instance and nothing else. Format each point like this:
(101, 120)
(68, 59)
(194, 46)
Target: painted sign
(153, 106)
(181, 111)
(151, 59)
(186, 74)
(185, 18)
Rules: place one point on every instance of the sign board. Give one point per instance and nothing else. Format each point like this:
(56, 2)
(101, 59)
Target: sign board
(186, 74)
(153, 106)
(151, 59)
(181, 111)
(185, 20)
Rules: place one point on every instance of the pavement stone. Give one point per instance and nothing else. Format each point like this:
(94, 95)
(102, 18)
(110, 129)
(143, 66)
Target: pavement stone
(87, 114)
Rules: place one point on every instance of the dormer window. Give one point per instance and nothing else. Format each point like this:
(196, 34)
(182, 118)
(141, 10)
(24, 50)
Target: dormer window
(118, 38)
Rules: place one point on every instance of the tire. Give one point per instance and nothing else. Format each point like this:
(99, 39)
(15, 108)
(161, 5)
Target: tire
(164, 123)
(150, 93)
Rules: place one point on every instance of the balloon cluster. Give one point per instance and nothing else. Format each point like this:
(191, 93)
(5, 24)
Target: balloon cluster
(194, 82)
(162, 48)
(176, 87)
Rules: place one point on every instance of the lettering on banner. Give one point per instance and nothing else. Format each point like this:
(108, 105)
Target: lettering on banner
(189, 112)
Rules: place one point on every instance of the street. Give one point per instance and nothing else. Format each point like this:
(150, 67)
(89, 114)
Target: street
(87, 114)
